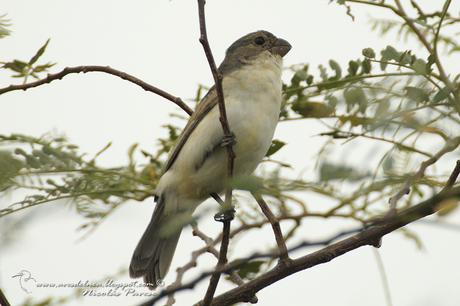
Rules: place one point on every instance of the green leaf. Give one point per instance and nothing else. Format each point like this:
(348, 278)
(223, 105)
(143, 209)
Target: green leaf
(417, 94)
(390, 53)
(355, 96)
(369, 53)
(39, 53)
(332, 101)
(420, 66)
(406, 58)
(337, 69)
(330, 172)
(367, 66)
(9, 168)
(382, 108)
(41, 68)
(16, 66)
(442, 94)
(275, 147)
(323, 73)
(353, 67)
(299, 76)
(312, 109)
(250, 269)
(4, 24)
(388, 164)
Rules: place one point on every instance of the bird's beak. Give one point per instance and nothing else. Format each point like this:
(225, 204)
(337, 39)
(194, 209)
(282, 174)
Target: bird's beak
(281, 47)
(17, 275)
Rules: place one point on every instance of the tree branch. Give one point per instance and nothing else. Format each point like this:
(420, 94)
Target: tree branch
(228, 214)
(453, 177)
(105, 69)
(3, 299)
(283, 252)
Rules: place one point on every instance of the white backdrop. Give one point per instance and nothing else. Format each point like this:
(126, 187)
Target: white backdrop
(157, 41)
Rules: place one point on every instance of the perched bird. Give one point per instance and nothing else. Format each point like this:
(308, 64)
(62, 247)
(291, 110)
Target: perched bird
(197, 165)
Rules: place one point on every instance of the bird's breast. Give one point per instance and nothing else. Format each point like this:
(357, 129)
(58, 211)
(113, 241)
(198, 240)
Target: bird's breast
(253, 100)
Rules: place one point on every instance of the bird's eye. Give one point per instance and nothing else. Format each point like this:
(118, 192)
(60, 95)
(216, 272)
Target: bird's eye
(259, 40)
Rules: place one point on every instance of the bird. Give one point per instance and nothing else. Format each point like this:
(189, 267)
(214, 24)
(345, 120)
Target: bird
(25, 280)
(197, 164)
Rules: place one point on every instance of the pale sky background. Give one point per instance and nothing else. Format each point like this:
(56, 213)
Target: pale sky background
(157, 41)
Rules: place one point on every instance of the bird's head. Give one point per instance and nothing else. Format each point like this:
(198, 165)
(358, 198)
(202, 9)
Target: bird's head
(251, 46)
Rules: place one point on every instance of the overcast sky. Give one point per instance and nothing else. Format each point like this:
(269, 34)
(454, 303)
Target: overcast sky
(157, 41)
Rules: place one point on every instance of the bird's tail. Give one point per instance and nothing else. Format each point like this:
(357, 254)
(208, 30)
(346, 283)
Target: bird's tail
(154, 252)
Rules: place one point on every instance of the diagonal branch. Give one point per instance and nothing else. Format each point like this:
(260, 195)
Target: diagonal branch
(227, 217)
(453, 177)
(3, 299)
(105, 69)
(283, 252)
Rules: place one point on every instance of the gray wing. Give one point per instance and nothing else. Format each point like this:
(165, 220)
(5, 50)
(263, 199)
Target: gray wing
(204, 107)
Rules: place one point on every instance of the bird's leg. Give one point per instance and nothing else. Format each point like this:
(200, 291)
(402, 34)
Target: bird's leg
(224, 215)
(228, 140)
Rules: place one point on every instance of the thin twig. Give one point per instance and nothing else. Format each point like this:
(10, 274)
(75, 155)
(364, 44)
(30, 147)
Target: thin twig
(105, 69)
(230, 155)
(448, 147)
(283, 252)
(453, 177)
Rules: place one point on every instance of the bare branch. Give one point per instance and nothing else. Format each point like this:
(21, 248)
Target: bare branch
(283, 252)
(105, 69)
(3, 299)
(227, 218)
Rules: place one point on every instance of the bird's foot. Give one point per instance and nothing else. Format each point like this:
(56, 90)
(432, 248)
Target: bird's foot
(228, 140)
(226, 215)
